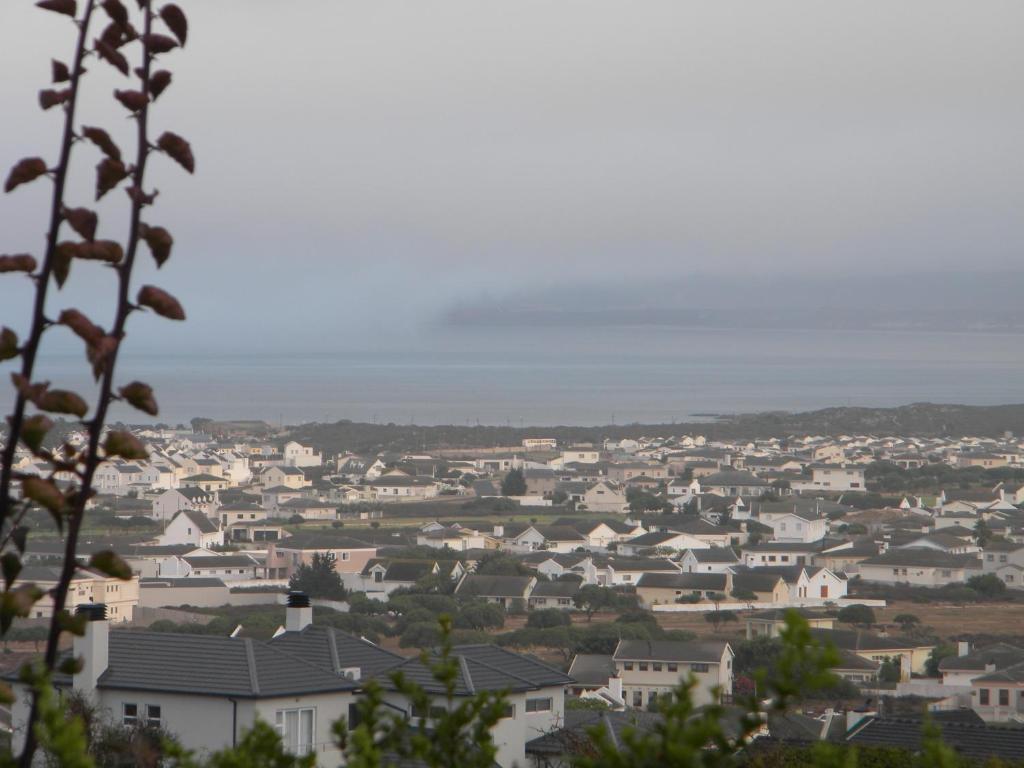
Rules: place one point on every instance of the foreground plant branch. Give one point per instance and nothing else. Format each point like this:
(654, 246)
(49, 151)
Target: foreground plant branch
(30, 349)
(67, 502)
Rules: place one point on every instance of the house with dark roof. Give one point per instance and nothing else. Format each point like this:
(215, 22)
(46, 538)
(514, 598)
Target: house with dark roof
(290, 477)
(617, 571)
(770, 623)
(192, 527)
(962, 669)
(205, 690)
(555, 594)
(919, 566)
(909, 654)
(710, 560)
(227, 567)
(171, 502)
(782, 552)
(350, 554)
(506, 591)
(998, 696)
(669, 541)
(306, 508)
(650, 668)
(733, 482)
(534, 692)
(968, 738)
(667, 588)
(381, 576)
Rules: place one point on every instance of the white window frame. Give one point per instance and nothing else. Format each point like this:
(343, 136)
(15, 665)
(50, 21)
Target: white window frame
(127, 719)
(296, 745)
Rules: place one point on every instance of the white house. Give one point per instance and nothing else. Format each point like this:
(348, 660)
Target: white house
(832, 477)
(656, 667)
(192, 527)
(298, 455)
(797, 526)
(920, 567)
(206, 690)
(664, 540)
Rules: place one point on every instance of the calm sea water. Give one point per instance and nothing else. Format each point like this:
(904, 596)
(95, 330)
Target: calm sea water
(579, 376)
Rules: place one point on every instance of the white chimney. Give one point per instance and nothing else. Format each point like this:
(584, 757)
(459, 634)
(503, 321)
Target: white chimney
(963, 648)
(615, 686)
(93, 647)
(299, 613)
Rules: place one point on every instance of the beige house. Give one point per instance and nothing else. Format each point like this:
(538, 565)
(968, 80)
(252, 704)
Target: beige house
(605, 497)
(649, 669)
(909, 654)
(87, 587)
(285, 557)
(290, 477)
(402, 487)
(771, 623)
(206, 482)
(620, 473)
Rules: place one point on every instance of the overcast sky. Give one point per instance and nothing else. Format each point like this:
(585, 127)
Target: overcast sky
(363, 165)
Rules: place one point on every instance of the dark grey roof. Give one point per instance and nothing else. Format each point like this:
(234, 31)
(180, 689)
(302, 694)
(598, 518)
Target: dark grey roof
(198, 519)
(702, 581)
(755, 581)
(486, 668)
(1002, 655)
(190, 583)
(670, 650)
(546, 588)
(494, 586)
(575, 738)
(334, 650)
(592, 668)
(207, 665)
(923, 557)
(789, 546)
(732, 477)
(973, 740)
(1012, 674)
(402, 570)
(850, 661)
(194, 494)
(652, 539)
(859, 640)
(561, 533)
(622, 564)
(221, 561)
(779, 614)
(715, 555)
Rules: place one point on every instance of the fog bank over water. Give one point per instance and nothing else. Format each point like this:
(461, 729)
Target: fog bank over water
(577, 376)
(925, 301)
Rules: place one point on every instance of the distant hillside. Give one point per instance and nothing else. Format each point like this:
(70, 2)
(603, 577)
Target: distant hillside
(918, 419)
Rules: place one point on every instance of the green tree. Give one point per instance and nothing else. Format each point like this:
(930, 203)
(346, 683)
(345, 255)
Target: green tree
(889, 671)
(318, 578)
(935, 657)
(989, 585)
(514, 483)
(982, 533)
(717, 618)
(907, 621)
(592, 598)
(501, 564)
(857, 614)
(548, 617)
